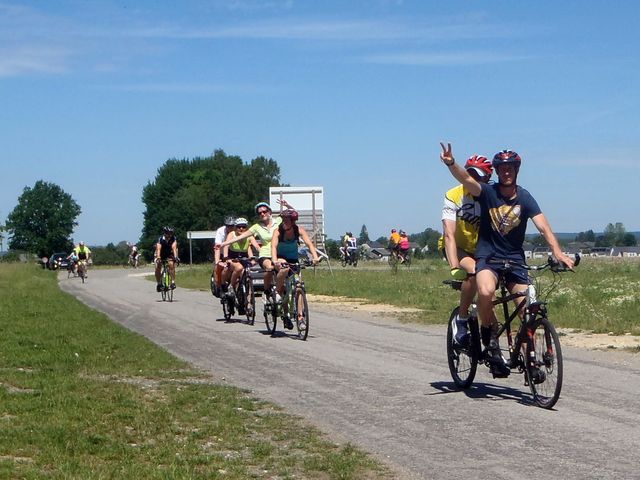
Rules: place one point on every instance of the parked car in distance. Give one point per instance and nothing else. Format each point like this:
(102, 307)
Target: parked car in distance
(58, 260)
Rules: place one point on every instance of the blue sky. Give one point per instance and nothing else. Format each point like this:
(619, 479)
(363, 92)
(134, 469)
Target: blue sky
(354, 96)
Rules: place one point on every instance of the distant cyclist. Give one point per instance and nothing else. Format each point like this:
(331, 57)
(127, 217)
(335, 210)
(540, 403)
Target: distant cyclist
(134, 255)
(83, 253)
(403, 246)
(166, 249)
(349, 247)
(460, 223)
(218, 264)
(394, 240)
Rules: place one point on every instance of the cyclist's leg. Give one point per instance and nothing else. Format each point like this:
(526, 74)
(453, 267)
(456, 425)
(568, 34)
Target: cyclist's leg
(236, 273)
(267, 265)
(486, 281)
(158, 270)
(468, 290)
(280, 278)
(460, 324)
(172, 270)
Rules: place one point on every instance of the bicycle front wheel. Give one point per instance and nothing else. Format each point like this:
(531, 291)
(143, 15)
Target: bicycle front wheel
(301, 312)
(544, 363)
(271, 312)
(393, 263)
(463, 360)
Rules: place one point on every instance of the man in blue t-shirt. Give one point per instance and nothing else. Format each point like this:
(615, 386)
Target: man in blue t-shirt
(505, 210)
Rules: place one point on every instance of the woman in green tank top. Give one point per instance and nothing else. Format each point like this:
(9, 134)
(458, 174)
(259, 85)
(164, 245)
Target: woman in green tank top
(235, 247)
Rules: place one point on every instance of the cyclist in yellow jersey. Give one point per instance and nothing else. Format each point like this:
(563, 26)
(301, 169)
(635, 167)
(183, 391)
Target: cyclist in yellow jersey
(394, 239)
(83, 253)
(236, 249)
(461, 222)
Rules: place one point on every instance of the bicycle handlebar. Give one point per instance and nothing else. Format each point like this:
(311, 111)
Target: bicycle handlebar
(551, 263)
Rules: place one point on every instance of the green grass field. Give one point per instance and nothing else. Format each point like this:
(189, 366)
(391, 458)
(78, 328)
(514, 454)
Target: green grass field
(81, 397)
(603, 295)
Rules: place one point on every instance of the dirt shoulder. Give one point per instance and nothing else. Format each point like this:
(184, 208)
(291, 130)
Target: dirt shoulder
(570, 337)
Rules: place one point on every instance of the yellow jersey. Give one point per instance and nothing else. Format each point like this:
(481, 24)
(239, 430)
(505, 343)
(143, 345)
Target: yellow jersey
(461, 207)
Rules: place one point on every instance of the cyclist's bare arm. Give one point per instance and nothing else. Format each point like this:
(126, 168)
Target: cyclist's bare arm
(541, 223)
(275, 239)
(458, 172)
(307, 241)
(242, 236)
(450, 247)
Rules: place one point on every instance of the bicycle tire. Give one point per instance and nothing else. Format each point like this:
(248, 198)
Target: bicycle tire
(271, 316)
(226, 307)
(393, 263)
(548, 358)
(81, 270)
(463, 361)
(166, 283)
(301, 312)
(250, 301)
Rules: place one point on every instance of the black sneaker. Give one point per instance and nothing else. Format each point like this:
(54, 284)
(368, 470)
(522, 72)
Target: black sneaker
(173, 285)
(159, 287)
(497, 366)
(460, 330)
(288, 324)
(537, 376)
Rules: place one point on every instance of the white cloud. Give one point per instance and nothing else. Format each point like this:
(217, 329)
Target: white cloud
(441, 59)
(31, 59)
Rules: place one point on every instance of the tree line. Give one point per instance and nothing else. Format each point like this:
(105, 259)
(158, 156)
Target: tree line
(186, 194)
(194, 194)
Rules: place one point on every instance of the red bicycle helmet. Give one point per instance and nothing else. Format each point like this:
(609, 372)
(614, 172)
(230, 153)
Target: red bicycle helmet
(506, 156)
(481, 164)
(292, 214)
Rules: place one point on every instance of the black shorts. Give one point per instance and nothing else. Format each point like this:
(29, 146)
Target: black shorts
(516, 275)
(233, 255)
(261, 261)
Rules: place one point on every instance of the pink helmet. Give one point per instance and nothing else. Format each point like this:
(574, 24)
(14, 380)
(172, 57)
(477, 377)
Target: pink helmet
(289, 213)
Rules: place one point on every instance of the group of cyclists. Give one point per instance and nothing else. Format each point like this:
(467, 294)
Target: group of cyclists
(399, 244)
(484, 221)
(273, 240)
(80, 252)
(481, 220)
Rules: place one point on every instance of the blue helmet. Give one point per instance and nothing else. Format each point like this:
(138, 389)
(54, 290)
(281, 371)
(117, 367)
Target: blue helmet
(262, 204)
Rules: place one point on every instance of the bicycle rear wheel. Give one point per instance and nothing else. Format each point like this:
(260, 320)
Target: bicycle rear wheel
(227, 309)
(301, 312)
(463, 361)
(544, 363)
(250, 300)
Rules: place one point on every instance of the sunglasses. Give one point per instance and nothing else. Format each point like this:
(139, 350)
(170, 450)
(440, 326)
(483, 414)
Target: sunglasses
(241, 227)
(261, 212)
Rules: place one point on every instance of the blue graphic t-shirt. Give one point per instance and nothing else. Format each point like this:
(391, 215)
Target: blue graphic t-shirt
(503, 222)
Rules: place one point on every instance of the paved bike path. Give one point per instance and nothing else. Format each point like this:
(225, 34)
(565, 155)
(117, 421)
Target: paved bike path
(385, 387)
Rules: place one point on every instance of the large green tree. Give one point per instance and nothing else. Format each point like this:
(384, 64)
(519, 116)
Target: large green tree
(616, 235)
(43, 220)
(197, 194)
